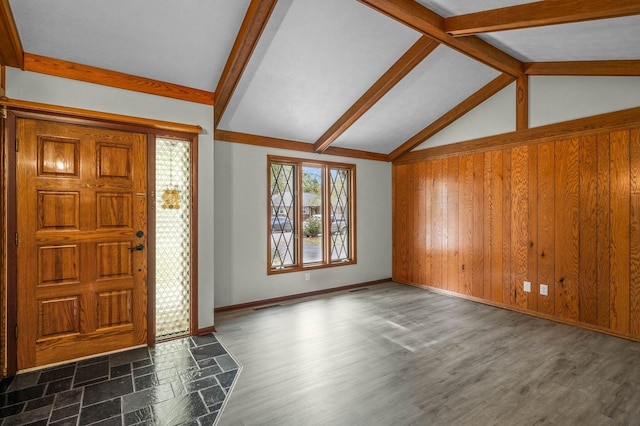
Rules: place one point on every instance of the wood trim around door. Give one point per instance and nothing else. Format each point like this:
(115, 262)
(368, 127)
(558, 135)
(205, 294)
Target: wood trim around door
(9, 194)
(84, 116)
(194, 327)
(11, 308)
(151, 240)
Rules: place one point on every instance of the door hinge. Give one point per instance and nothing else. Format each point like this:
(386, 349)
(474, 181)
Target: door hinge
(16, 239)
(3, 112)
(16, 334)
(17, 144)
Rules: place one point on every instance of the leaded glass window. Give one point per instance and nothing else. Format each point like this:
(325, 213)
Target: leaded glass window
(311, 220)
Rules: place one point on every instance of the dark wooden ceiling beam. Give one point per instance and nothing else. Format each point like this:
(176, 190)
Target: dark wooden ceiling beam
(522, 102)
(456, 112)
(254, 22)
(269, 142)
(594, 68)
(3, 82)
(418, 17)
(539, 14)
(11, 53)
(403, 66)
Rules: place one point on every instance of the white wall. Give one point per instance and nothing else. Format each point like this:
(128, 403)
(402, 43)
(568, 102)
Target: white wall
(552, 99)
(241, 227)
(557, 99)
(35, 87)
(494, 116)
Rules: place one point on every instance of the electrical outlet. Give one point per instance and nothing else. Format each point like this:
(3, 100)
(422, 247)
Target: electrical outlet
(527, 286)
(544, 289)
(307, 276)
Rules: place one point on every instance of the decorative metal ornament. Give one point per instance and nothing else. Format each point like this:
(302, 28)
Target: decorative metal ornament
(171, 198)
(171, 195)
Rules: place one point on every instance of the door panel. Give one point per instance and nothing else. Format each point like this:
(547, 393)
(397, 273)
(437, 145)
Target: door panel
(81, 280)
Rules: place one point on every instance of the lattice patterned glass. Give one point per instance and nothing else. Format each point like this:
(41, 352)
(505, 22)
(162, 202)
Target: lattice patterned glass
(283, 177)
(339, 208)
(173, 238)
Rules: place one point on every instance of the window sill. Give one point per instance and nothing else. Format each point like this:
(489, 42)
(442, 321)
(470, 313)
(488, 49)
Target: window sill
(309, 267)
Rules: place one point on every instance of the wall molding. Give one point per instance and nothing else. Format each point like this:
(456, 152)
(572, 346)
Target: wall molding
(204, 330)
(276, 300)
(269, 142)
(625, 68)
(605, 122)
(84, 114)
(522, 311)
(89, 74)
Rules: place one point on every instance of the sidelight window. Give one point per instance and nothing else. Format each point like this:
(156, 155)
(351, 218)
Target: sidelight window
(173, 238)
(311, 214)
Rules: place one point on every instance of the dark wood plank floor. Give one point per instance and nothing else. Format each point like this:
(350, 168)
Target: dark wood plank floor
(398, 355)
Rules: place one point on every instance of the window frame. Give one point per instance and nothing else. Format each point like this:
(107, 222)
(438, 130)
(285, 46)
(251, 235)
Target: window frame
(326, 166)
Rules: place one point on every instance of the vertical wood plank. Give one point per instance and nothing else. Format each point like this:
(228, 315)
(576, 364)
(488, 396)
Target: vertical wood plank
(420, 222)
(522, 102)
(532, 273)
(508, 296)
(394, 221)
(520, 223)
(428, 220)
(634, 265)
(452, 223)
(445, 221)
(619, 223)
(603, 232)
(437, 225)
(496, 226)
(410, 223)
(566, 229)
(588, 256)
(634, 159)
(634, 276)
(487, 225)
(465, 234)
(546, 228)
(478, 228)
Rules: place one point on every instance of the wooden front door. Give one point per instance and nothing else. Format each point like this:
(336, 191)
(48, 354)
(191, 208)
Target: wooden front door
(82, 226)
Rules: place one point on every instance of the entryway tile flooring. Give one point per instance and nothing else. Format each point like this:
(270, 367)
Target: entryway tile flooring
(179, 382)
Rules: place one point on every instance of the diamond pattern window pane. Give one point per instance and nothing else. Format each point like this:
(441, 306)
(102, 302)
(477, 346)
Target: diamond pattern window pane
(283, 178)
(173, 238)
(339, 208)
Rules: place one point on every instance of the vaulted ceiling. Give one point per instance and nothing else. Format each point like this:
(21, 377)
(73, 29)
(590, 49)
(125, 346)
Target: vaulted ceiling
(371, 78)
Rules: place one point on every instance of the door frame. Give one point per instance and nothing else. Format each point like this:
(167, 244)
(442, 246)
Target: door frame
(152, 129)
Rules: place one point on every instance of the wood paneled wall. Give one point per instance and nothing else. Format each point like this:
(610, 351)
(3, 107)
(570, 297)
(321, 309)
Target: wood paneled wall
(565, 213)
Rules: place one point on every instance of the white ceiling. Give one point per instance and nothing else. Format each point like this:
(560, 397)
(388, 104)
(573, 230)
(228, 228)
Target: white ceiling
(443, 80)
(313, 61)
(607, 39)
(185, 43)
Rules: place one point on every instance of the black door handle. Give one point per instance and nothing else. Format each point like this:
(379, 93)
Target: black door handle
(138, 247)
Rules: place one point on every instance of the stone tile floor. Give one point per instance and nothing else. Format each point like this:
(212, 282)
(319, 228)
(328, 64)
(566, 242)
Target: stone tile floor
(177, 382)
